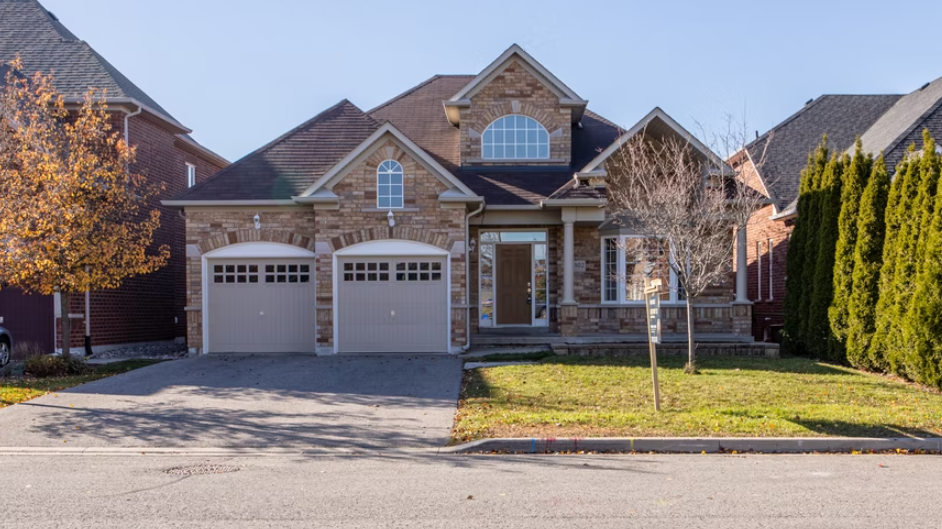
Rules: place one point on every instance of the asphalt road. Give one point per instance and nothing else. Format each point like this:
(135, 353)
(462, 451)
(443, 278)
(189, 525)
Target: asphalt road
(454, 491)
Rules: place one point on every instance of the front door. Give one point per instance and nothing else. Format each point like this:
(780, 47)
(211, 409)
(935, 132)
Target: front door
(513, 284)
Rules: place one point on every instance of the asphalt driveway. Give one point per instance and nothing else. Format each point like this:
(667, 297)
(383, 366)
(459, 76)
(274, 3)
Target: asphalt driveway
(250, 401)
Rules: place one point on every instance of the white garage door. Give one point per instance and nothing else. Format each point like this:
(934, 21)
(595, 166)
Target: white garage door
(261, 306)
(392, 304)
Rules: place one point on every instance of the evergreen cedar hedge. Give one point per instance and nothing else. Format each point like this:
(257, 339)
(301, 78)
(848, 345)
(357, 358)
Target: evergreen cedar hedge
(864, 269)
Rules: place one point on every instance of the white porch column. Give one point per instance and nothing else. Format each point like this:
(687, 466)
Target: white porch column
(568, 261)
(741, 265)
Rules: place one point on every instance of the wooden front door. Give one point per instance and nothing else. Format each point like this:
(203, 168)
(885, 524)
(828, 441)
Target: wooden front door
(513, 284)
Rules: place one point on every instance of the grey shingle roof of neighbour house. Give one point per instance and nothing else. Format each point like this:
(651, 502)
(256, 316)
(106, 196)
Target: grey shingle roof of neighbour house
(290, 164)
(783, 152)
(903, 123)
(44, 44)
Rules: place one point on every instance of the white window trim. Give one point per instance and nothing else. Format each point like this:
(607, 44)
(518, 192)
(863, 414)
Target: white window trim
(402, 195)
(622, 274)
(516, 158)
(190, 174)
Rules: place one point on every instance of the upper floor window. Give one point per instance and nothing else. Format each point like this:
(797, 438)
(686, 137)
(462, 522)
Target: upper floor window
(190, 175)
(389, 185)
(515, 137)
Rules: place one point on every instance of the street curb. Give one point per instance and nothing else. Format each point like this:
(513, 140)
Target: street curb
(697, 445)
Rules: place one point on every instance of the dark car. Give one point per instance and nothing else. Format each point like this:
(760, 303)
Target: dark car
(6, 345)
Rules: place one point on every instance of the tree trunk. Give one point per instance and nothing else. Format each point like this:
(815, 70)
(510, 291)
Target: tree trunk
(691, 345)
(64, 299)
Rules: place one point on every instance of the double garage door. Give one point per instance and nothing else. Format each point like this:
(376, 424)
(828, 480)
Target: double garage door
(384, 304)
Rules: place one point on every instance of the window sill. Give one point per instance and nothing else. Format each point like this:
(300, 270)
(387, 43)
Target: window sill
(384, 210)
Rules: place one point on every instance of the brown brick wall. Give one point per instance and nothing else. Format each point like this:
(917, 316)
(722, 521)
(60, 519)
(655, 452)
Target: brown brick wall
(769, 310)
(516, 91)
(423, 219)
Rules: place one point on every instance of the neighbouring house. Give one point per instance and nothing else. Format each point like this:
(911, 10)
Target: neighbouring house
(885, 124)
(466, 206)
(147, 308)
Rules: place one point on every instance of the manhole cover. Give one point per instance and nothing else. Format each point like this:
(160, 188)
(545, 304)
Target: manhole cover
(201, 469)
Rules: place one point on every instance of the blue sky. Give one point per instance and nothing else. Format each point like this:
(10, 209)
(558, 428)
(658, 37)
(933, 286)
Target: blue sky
(240, 73)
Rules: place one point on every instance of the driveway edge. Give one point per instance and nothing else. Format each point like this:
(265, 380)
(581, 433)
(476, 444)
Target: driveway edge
(697, 445)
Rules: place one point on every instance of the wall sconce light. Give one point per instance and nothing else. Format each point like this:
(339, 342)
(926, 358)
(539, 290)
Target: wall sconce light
(258, 221)
(472, 244)
(389, 217)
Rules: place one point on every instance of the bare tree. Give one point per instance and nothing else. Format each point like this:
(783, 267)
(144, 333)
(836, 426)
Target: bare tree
(688, 204)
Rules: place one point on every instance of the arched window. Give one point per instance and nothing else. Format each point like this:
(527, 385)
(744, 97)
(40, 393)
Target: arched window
(515, 137)
(389, 185)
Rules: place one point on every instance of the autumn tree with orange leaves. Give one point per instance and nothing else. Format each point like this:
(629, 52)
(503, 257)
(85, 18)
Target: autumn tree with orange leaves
(71, 214)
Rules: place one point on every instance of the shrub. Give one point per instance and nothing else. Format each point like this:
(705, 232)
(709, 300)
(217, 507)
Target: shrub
(43, 366)
(24, 350)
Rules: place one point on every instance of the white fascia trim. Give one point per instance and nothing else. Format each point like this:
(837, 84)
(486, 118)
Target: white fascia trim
(640, 126)
(427, 161)
(131, 101)
(522, 207)
(452, 195)
(222, 203)
(575, 202)
(528, 61)
(322, 196)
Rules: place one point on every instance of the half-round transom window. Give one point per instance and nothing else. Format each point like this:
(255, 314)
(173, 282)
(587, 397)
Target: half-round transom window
(389, 185)
(515, 137)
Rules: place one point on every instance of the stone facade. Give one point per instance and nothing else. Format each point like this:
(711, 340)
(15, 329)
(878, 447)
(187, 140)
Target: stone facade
(323, 231)
(516, 91)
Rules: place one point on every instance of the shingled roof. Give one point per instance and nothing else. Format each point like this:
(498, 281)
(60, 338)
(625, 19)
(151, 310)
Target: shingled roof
(892, 133)
(288, 165)
(46, 45)
(786, 147)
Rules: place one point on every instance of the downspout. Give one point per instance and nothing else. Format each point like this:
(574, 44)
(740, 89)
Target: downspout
(467, 276)
(88, 295)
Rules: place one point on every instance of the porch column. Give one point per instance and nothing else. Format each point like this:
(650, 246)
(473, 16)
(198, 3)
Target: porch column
(568, 308)
(568, 262)
(741, 277)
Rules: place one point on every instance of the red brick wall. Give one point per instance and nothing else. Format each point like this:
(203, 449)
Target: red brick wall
(151, 307)
(768, 311)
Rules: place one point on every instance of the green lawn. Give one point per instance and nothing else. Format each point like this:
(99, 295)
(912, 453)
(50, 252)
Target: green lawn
(19, 389)
(586, 397)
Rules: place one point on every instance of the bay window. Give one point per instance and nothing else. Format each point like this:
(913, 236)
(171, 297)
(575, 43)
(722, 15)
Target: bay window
(627, 260)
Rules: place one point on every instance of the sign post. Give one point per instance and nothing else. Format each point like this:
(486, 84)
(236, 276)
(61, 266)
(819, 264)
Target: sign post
(652, 302)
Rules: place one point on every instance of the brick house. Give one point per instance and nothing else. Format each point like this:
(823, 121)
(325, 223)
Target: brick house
(885, 124)
(468, 205)
(147, 308)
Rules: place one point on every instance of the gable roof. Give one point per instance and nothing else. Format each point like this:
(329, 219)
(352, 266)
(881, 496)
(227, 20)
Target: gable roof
(46, 45)
(288, 165)
(658, 123)
(787, 145)
(418, 114)
(516, 52)
(403, 142)
(892, 128)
